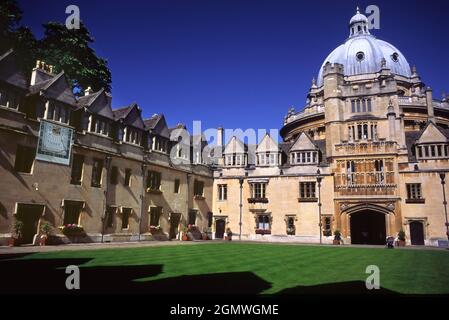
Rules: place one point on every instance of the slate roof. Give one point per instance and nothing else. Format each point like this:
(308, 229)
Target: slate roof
(9, 71)
(152, 122)
(86, 101)
(123, 112)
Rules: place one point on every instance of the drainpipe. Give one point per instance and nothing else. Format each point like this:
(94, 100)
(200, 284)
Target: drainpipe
(142, 199)
(105, 202)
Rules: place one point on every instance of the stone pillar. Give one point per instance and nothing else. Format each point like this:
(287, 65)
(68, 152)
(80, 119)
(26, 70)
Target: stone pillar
(391, 115)
(429, 101)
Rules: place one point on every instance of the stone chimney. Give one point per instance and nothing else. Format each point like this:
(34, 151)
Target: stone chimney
(429, 101)
(220, 136)
(88, 91)
(41, 72)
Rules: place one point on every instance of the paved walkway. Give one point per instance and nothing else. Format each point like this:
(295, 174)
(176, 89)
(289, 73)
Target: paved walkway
(114, 245)
(95, 246)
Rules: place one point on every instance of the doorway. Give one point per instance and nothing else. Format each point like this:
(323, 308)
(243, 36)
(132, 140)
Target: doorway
(29, 214)
(368, 227)
(219, 228)
(175, 218)
(417, 233)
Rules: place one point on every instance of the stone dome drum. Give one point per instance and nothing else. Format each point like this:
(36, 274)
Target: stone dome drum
(363, 53)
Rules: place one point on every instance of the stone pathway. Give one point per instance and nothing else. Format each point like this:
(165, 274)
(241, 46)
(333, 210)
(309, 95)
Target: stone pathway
(114, 245)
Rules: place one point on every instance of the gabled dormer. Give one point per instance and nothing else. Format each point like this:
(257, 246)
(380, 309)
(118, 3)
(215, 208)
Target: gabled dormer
(13, 84)
(235, 153)
(96, 112)
(158, 133)
(432, 143)
(52, 96)
(304, 151)
(130, 124)
(267, 152)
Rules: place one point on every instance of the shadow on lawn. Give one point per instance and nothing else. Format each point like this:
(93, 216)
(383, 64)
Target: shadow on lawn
(339, 288)
(47, 276)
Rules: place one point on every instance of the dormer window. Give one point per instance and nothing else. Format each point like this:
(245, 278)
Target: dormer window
(159, 144)
(132, 135)
(304, 157)
(99, 125)
(57, 112)
(9, 99)
(235, 160)
(432, 151)
(267, 159)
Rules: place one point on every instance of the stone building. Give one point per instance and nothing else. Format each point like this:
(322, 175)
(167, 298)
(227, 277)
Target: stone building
(379, 140)
(120, 178)
(363, 156)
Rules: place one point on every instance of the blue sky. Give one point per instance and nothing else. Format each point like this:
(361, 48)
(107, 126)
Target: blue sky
(239, 63)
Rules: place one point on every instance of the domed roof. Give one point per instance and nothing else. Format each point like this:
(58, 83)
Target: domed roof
(363, 53)
(358, 17)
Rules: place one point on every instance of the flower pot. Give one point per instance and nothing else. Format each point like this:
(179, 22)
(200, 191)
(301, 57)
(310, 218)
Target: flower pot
(184, 237)
(205, 237)
(43, 240)
(400, 243)
(336, 242)
(13, 242)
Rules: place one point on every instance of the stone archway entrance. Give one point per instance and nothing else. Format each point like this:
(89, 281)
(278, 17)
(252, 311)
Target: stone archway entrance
(368, 227)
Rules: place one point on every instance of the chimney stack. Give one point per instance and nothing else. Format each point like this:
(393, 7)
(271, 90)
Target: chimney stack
(88, 91)
(429, 100)
(41, 72)
(220, 136)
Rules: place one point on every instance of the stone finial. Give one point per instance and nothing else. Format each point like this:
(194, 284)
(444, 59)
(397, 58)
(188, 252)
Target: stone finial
(383, 63)
(357, 10)
(414, 72)
(313, 82)
(88, 91)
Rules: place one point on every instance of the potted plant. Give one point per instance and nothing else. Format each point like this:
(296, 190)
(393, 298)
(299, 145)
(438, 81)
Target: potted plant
(17, 233)
(401, 238)
(155, 230)
(337, 237)
(184, 234)
(46, 230)
(228, 234)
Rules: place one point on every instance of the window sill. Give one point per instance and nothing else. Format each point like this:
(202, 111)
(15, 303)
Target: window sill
(262, 231)
(153, 191)
(75, 183)
(25, 173)
(257, 200)
(197, 197)
(95, 185)
(307, 199)
(415, 200)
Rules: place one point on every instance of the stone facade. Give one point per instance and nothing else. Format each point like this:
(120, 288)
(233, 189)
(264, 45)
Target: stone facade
(127, 148)
(379, 141)
(364, 156)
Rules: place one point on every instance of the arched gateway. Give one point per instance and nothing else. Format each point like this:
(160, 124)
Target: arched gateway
(367, 224)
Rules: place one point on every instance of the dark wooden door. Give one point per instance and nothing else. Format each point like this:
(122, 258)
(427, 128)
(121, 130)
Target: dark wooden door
(219, 228)
(417, 233)
(29, 215)
(175, 218)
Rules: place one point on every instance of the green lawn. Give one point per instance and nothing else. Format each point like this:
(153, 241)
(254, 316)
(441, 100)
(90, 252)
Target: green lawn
(282, 266)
